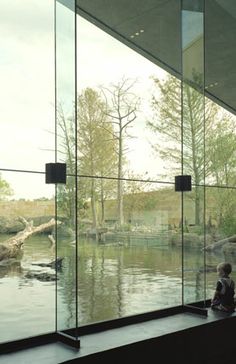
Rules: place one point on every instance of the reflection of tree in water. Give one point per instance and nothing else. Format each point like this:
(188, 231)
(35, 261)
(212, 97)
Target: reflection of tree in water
(99, 285)
(93, 285)
(119, 288)
(100, 280)
(193, 276)
(66, 281)
(119, 283)
(199, 289)
(200, 278)
(108, 277)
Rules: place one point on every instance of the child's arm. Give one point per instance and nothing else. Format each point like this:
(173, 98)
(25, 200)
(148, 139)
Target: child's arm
(216, 296)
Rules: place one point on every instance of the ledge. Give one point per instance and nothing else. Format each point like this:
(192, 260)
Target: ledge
(153, 336)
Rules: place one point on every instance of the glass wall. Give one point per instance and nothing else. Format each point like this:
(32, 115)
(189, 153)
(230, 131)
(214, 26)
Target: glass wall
(127, 219)
(126, 223)
(130, 268)
(27, 204)
(126, 115)
(27, 277)
(66, 146)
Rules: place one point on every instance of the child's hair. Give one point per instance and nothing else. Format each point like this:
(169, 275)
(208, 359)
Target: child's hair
(225, 267)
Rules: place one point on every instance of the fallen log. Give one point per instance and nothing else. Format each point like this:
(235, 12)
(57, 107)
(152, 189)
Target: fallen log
(12, 247)
(218, 244)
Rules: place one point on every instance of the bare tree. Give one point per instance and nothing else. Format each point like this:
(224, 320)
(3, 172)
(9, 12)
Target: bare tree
(122, 106)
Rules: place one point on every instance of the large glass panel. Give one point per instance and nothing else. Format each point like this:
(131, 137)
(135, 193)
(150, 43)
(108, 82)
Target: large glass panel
(220, 75)
(220, 79)
(27, 138)
(193, 246)
(66, 256)
(66, 152)
(193, 149)
(133, 267)
(27, 84)
(125, 127)
(27, 253)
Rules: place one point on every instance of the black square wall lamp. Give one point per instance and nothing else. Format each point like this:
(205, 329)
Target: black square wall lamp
(183, 183)
(55, 172)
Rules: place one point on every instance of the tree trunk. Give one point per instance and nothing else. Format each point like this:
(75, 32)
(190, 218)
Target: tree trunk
(12, 247)
(197, 206)
(102, 204)
(120, 184)
(93, 206)
(220, 243)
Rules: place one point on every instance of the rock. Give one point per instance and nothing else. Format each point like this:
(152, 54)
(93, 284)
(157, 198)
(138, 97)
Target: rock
(208, 239)
(65, 231)
(55, 264)
(10, 226)
(208, 268)
(43, 276)
(191, 240)
(229, 249)
(219, 244)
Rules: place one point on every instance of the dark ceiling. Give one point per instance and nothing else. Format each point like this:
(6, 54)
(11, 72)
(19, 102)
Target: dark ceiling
(153, 29)
(158, 19)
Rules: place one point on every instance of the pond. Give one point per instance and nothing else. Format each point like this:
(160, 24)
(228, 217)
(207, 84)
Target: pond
(114, 280)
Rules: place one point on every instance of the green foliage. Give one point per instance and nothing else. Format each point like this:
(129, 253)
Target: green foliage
(125, 227)
(221, 149)
(221, 209)
(5, 190)
(228, 225)
(102, 125)
(203, 132)
(167, 106)
(97, 147)
(96, 142)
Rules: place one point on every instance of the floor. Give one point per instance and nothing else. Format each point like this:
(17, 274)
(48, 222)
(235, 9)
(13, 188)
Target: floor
(56, 353)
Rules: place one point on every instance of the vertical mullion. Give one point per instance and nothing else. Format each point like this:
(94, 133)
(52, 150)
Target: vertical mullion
(76, 173)
(55, 146)
(182, 158)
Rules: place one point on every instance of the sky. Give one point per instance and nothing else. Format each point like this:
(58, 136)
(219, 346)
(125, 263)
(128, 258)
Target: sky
(27, 88)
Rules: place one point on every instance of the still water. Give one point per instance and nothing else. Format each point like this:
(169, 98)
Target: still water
(113, 281)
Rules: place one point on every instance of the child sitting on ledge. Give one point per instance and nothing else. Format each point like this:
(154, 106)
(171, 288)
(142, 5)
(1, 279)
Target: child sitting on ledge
(223, 298)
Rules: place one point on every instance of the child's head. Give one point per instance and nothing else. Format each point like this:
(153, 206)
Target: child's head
(224, 269)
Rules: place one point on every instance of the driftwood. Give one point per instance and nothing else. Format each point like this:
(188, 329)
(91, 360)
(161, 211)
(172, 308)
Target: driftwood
(220, 243)
(51, 238)
(12, 247)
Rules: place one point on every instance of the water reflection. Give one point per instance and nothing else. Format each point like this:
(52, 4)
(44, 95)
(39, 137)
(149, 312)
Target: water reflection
(113, 281)
(10, 268)
(116, 281)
